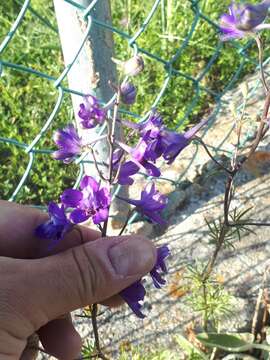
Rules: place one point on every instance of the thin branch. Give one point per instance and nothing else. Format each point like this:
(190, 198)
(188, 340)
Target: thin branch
(260, 48)
(95, 330)
(130, 213)
(96, 165)
(111, 142)
(250, 223)
(211, 156)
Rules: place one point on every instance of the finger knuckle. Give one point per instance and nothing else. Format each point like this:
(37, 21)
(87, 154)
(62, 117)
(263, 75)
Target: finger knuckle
(87, 274)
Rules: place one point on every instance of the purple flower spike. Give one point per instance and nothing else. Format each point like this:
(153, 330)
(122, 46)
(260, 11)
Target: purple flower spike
(91, 113)
(57, 226)
(68, 142)
(243, 19)
(162, 253)
(92, 201)
(133, 295)
(150, 204)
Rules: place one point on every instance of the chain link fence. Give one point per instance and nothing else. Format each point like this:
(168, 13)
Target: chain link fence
(178, 47)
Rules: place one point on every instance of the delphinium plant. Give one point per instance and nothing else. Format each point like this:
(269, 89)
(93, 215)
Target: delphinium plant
(145, 143)
(93, 199)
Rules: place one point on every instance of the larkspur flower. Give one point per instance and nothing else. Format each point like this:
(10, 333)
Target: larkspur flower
(92, 201)
(152, 202)
(174, 143)
(243, 19)
(68, 142)
(91, 113)
(151, 133)
(160, 267)
(158, 141)
(140, 157)
(57, 226)
(143, 157)
(128, 93)
(127, 169)
(133, 295)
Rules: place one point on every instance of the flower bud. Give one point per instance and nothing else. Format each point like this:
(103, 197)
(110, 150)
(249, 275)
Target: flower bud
(128, 93)
(249, 16)
(131, 67)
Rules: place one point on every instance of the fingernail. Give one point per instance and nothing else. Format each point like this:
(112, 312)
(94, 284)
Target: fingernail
(133, 256)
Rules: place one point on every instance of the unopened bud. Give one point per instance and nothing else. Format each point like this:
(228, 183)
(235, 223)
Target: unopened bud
(131, 67)
(128, 93)
(249, 16)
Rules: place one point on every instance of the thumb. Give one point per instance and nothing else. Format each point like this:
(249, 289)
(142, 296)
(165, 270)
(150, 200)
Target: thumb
(84, 275)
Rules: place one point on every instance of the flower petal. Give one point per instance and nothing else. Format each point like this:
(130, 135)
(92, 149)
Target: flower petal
(71, 197)
(101, 215)
(132, 295)
(78, 216)
(89, 181)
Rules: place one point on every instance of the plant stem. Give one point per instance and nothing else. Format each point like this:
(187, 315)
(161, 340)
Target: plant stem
(95, 330)
(211, 156)
(111, 141)
(126, 222)
(260, 48)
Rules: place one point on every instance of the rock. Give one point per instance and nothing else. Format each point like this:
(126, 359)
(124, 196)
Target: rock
(140, 228)
(176, 200)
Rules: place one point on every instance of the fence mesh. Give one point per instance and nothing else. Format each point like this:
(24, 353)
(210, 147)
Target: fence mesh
(180, 48)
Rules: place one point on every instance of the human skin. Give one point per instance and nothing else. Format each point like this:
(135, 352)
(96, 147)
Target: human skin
(39, 288)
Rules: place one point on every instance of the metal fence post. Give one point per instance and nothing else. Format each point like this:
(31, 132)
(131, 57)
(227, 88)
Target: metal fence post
(93, 68)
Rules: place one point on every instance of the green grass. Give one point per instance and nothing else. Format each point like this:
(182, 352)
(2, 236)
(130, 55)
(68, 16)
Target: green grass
(26, 100)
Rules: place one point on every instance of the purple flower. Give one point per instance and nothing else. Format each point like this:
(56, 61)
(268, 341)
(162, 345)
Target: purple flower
(152, 135)
(128, 93)
(243, 19)
(142, 155)
(132, 295)
(150, 146)
(152, 126)
(174, 143)
(91, 113)
(162, 253)
(92, 201)
(57, 226)
(68, 142)
(135, 293)
(127, 169)
(158, 141)
(150, 204)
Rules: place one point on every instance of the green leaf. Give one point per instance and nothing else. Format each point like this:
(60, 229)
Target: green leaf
(189, 348)
(228, 342)
(238, 357)
(231, 342)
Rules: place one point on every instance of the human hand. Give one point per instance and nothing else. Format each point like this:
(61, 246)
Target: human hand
(38, 288)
